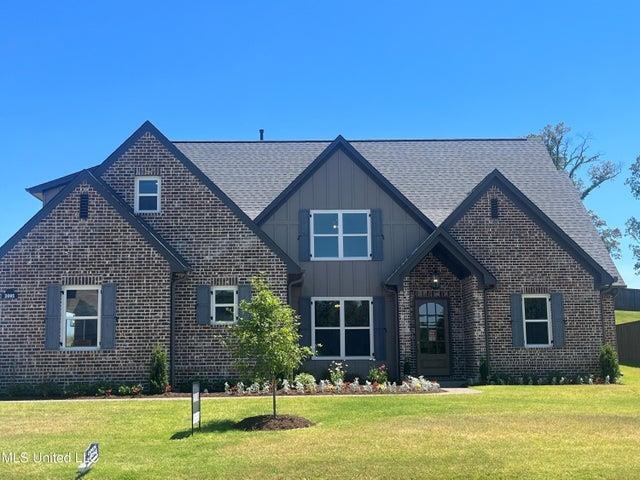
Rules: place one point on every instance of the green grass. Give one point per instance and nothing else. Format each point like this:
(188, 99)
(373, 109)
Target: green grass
(504, 432)
(625, 316)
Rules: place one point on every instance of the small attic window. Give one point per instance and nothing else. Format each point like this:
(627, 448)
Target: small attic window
(147, 194)
(84, 206)
(495, 212)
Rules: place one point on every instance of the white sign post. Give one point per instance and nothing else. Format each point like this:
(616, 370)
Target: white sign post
(195, 406)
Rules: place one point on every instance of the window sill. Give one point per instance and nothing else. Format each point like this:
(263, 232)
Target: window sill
(79, 349)
(343, 358)
(222, 324)
(347, 259)
(538, 346)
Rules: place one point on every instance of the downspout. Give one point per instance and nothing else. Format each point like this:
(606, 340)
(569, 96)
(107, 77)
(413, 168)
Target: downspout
(604, 290)
(485, 308)
(290, 285)
(394, 290)
(175, 278)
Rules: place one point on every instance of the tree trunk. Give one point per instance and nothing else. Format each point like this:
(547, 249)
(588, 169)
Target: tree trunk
(274, 387)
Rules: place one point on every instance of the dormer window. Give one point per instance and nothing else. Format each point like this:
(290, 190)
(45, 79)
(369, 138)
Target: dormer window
(340, 234)
(147, 199)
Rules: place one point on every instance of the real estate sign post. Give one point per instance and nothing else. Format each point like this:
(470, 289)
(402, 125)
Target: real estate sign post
(195, 406)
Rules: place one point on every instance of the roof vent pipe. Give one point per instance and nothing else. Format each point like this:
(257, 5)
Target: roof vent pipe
(261, 134)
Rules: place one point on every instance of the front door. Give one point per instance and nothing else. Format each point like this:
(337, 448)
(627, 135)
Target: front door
(432, 329)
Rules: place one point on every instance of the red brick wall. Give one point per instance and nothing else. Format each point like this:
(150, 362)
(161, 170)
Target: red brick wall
(64, 249)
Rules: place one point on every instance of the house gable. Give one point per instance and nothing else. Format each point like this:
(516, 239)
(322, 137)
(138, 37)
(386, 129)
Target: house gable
(341, 183)
(340, 144)
(450, 253)
(463, 228)
(175, 260)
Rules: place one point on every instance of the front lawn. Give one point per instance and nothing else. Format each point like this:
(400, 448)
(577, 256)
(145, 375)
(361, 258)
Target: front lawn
(506, 432)
(625, 316)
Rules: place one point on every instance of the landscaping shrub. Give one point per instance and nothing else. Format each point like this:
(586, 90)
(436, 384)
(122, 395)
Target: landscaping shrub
(307, 381)
(609, 366)
(159, 376)
(337, 372)
(379, 374)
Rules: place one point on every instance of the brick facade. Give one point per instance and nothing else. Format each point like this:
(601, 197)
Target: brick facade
(219, 247)
(156, 306)
(66, 250)
(526, 259)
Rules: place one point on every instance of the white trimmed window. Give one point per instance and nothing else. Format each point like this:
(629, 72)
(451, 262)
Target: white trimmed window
(147, 195)
(224, 305)
(80, 317)
(342, 327)
(536, 315)
(340, 234)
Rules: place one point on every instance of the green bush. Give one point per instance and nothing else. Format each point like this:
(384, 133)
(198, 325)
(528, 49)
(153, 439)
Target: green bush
(159, 376)
(307, 380)
(608, 360)
(379, 374)
(124, 390)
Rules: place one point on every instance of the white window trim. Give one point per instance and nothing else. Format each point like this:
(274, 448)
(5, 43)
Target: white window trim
(340, 236)
(342, 328)
(63, 314)
(138, 194)
(214, 304)
(548, 320)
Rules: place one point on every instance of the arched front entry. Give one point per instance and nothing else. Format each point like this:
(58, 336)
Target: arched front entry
(432, 328)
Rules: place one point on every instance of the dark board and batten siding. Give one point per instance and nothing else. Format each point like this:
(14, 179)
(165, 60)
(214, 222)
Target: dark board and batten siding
(628, 299)
(341, 184)
(628, 337)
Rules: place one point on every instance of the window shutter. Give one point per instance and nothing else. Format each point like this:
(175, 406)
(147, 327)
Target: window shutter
(379, 329)
(203, 304)
(305, 321)
(53, 315)
(304, 240)
(244, 293)
(377, 236)
(108, 316)
(517, 327)
(557, 319)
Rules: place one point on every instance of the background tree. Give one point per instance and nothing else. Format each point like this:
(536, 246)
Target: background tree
(586, 169)
(633, 224)
(265, 340)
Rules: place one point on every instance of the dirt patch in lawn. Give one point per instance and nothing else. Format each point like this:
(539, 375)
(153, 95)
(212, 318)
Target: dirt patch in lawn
(268, 422)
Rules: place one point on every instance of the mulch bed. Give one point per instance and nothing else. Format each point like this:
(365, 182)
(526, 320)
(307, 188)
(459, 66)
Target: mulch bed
(268, 422)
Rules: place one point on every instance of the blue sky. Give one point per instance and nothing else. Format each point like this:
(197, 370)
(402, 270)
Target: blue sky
(76, 78)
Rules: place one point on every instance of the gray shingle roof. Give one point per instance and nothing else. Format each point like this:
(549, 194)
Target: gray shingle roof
(435, 175)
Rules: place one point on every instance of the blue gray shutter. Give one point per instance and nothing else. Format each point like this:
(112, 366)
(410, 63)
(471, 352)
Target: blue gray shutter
(203, 304)
(557, 319)
(305, 321)
(379, 329)
(244, 293)
(517, 327)
(304, 239)
(53, 315)
(377, 236)
(108, 316)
